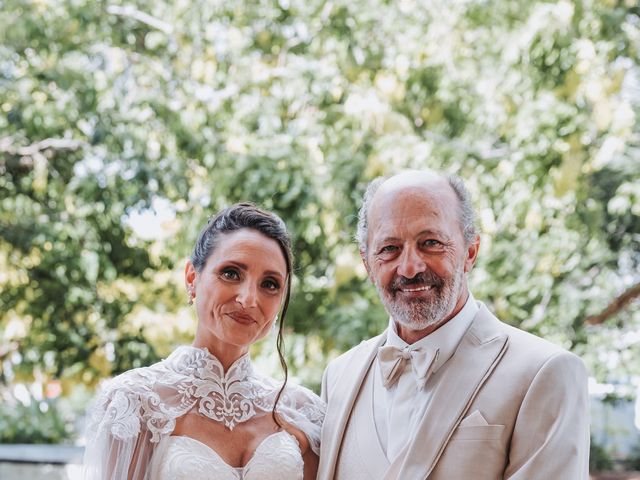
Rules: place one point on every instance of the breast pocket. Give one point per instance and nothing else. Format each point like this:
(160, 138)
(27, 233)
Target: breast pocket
(477, 433)
(477, 452)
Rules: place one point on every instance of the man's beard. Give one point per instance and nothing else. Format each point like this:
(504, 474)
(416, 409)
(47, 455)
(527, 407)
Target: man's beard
(419, 313)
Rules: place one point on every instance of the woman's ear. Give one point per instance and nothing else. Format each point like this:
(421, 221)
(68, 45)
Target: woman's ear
(189, 276)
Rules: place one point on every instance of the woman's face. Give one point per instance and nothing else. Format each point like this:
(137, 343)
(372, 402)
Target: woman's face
(240, 289)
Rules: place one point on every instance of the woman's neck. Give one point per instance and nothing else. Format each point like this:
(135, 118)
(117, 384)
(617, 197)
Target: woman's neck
(227, 354)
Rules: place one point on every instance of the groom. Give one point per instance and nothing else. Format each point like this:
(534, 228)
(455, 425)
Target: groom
(447, 392)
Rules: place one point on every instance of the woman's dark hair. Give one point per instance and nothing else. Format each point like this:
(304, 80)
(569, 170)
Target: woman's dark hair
(247, 215)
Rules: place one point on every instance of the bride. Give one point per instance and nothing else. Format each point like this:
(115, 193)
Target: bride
(204, 412)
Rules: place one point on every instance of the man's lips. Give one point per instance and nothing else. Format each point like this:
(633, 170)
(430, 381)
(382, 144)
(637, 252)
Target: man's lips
(243, 318)
(415, 289)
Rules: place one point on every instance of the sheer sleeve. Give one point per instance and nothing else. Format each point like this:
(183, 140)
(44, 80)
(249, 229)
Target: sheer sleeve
(112, 434)
(305, 410)
(120, 443)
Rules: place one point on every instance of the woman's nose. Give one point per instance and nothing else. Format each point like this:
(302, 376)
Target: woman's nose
(247, 295)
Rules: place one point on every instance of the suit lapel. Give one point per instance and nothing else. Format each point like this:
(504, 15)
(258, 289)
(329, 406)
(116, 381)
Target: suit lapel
(456, 385)
(341, 401)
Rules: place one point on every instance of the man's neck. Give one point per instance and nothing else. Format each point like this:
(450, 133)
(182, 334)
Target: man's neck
(412, 336)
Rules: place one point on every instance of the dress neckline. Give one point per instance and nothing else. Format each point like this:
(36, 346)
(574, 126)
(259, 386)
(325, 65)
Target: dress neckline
(241, 470)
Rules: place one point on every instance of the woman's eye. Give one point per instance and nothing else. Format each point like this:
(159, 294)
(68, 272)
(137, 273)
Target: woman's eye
(230, 274)
(271, 284)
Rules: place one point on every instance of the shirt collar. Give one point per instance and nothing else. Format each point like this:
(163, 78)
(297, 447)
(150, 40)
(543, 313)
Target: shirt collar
(445, 339)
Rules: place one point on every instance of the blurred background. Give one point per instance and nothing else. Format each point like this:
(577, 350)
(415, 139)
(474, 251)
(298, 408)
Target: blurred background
(125, 124)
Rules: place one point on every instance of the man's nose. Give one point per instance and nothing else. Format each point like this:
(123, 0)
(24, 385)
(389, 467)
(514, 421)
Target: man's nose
(411, 263)
(247, 295)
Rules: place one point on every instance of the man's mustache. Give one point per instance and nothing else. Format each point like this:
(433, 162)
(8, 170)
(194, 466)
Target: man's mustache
(422, 279)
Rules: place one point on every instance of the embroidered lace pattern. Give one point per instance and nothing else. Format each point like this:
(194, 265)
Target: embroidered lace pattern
(139, 408)
(227, 398)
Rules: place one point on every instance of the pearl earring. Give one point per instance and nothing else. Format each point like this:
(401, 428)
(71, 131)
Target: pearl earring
(190, 295)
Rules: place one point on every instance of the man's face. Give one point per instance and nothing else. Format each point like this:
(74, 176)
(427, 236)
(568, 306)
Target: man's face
(416, 254)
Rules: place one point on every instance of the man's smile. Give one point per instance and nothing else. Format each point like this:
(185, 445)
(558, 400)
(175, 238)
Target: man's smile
(417, 289)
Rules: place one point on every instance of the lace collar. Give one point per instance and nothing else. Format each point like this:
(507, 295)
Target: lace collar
(203, 365)
(229, 397)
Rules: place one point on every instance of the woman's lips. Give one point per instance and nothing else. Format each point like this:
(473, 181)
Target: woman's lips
(242, 318)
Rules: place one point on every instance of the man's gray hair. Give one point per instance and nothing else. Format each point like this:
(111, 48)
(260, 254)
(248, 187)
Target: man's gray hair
(466, 213)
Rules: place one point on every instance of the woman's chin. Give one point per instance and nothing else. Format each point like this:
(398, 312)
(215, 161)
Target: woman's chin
(241, 339)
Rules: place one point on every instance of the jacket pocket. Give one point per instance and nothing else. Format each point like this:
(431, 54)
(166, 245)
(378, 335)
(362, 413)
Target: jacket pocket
(475, 452)
(477, 433)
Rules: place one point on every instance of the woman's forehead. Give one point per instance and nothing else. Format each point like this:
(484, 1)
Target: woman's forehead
(250, 247)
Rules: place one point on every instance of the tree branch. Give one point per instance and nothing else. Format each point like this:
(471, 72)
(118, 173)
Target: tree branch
(6, 146)
(30, 151)
(142, 17)
(618, 304)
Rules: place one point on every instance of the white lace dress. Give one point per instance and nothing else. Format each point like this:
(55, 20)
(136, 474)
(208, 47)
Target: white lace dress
(130, 424)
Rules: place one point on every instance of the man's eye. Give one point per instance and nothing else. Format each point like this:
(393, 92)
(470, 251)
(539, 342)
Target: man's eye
(271, 284)
(230, 274)
(389, 249)
(431, 243)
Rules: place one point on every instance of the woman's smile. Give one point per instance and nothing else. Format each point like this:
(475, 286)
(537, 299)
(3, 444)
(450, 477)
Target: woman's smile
(242, 318)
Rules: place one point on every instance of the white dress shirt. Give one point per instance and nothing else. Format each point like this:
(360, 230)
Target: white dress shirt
(397, 409)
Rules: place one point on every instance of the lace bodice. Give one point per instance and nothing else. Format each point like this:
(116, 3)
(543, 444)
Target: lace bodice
(183, 458)
(137, 411)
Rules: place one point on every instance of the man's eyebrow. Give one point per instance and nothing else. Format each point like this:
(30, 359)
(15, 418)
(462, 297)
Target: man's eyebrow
(426, 231)
(386, 240)
(430, 231)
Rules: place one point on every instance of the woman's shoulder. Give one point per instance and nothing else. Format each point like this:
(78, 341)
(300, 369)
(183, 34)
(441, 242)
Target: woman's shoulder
(116, 407)
(158, 376)
(304, 401)
(139, 380)
(300, 393)
(126, 402)
(302, 408)
(126, 389)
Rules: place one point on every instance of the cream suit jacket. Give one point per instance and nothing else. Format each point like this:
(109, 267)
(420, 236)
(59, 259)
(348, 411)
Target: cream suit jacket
(507, 405)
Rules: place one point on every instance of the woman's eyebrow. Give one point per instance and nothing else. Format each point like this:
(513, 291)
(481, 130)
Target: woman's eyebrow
(245, 267)
(273, 273)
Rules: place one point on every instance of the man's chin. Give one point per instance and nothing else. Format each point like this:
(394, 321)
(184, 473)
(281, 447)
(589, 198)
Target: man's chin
(416, 326)
(416, 318)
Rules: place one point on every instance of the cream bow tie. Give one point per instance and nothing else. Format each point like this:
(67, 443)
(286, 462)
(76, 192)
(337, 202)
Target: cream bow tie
(392, 361)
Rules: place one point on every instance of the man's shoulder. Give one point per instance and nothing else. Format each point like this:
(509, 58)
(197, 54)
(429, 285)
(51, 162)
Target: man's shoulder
(531, 349)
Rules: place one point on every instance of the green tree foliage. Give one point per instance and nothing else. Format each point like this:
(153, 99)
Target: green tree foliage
(33, 424)
(599, 459)
(110, 109)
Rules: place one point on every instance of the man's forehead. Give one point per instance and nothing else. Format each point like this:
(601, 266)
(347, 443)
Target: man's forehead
(412, 197)
(412, 202)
